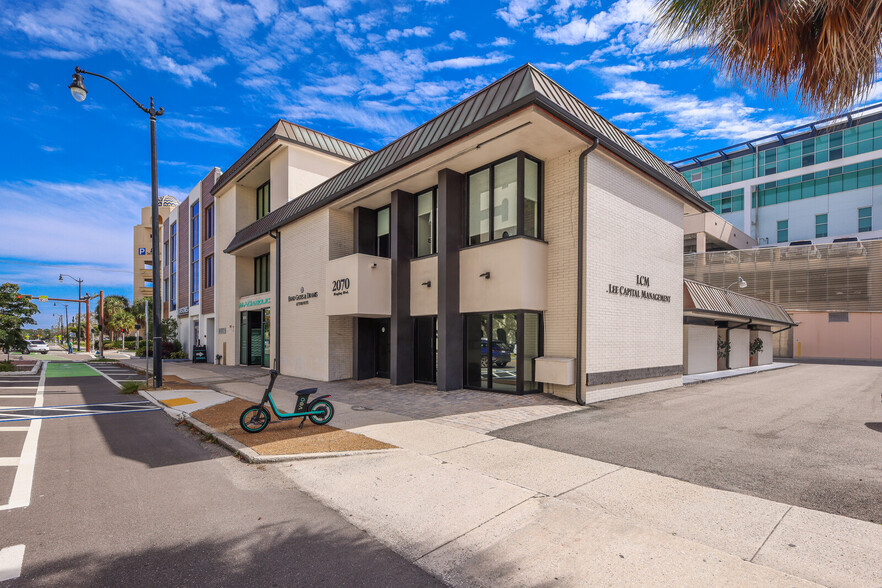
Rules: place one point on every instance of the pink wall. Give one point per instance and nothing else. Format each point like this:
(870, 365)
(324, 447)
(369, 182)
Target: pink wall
(859, 338)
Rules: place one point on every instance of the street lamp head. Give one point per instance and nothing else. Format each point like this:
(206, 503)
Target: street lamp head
(77, 89)
(60, 279)
(741, 282)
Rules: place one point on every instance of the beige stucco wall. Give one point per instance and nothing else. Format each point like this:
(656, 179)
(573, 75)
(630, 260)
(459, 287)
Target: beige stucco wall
(765, 356)
(424, 299)
(518, 275)
(859, 338)
(699, 349)
(632, 227)
(739, 348)
(227, 291)
(363, 286)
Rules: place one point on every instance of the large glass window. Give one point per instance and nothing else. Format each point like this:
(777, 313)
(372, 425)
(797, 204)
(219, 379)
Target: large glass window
(501, 349)
(820, 225)
(782, 231)
(194, 254)
(261, 274)
(209, 221)
(263, 200)
(865, 219)
(426, 230)
(512, 190)
(384, 224)
(173, 275)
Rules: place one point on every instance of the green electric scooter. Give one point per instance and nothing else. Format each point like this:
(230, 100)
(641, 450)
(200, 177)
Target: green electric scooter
(255, 418)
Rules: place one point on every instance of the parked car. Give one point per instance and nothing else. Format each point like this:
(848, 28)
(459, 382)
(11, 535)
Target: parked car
(37, 346)
(501, 354)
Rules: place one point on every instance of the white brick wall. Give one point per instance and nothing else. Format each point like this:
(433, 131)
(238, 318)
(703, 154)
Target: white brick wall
(633, 227)
(562, 234)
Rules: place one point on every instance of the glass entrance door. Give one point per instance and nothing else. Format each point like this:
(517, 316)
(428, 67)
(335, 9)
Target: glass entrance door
(500, 349)
(254, 337)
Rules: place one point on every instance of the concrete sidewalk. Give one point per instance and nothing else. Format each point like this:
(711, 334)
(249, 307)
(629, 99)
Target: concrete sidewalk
(476, 510)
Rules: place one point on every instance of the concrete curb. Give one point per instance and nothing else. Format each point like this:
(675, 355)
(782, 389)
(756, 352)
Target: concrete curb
(244, 452)
(737, 375)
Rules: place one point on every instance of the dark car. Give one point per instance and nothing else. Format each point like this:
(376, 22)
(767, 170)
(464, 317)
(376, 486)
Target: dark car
(501, 354)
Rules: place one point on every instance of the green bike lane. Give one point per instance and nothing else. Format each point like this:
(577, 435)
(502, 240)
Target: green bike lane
(132, 498)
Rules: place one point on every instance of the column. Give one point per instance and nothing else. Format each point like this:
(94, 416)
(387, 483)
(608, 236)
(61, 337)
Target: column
(451, 228)
(402, 245)
(363, 343)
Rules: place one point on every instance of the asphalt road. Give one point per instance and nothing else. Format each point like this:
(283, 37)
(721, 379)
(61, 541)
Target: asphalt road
(809, 435)
(133, 499)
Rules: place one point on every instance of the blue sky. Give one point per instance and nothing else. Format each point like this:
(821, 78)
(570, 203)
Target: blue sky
(73, 176)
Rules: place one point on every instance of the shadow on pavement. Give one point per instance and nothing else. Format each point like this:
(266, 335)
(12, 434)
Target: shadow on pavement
(129, 435)
(874, 427)
(271, 555)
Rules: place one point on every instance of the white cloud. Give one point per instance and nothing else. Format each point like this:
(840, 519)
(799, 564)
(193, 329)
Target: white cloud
(202, 131)
(517, 12)
(33, 87)
(50, 148)
(628, 116)
(458, 35)
(395, 34)
(579, 63)
(95, 216)
(601, 26)
(725, 117)
(502, 42)
(464, 62)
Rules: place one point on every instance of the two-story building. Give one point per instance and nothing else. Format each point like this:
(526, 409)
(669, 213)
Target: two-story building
(516, 242)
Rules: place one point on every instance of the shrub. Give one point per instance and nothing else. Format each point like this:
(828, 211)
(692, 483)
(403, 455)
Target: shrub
(178, 355)
(132, 387)
(723, 348)
(756, 346)
(6, 366)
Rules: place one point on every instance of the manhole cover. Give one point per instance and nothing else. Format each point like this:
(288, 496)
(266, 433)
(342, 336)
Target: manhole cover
(359, 408)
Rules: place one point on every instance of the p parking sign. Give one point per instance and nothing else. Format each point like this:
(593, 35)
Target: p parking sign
(142, 251)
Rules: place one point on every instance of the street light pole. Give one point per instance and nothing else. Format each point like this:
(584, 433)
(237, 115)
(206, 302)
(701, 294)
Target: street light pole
(78, 91)
(79, 297)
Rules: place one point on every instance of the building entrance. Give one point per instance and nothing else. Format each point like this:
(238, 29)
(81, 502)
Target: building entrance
(425, 353)
(383, 341)
(254, 337)
(500, 350)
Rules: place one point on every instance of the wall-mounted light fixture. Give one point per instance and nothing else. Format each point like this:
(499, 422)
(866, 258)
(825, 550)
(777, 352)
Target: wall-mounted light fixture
(427, 284)
(485, 275)
(373, 266)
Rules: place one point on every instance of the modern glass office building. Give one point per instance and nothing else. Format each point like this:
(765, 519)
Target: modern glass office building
(816, 182)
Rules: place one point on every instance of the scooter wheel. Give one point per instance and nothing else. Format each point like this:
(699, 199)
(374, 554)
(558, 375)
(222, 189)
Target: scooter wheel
(254, 419)
(326, 412)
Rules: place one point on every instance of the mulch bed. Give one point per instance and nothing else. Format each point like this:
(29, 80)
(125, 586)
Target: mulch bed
(284, 438)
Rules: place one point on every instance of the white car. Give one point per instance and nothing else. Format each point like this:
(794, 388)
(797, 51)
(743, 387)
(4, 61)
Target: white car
(37, 346)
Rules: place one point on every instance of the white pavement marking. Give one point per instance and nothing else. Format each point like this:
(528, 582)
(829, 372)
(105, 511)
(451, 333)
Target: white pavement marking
(11, 428)
(9, 461)
(18, 395)
(109, 379)
(24, 475)
(11, 559)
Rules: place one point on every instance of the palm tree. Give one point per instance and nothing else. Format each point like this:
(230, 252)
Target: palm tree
(827, 49)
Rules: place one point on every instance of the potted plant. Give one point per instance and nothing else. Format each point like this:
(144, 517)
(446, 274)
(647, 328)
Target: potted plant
(756, 346)
(723, 347)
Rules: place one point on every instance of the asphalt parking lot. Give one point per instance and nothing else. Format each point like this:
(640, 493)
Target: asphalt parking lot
(809, 435)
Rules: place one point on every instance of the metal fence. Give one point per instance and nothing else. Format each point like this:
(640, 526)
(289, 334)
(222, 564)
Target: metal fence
(832, 277)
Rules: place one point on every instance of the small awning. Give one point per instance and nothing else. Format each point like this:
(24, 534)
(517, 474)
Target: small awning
(700, 299)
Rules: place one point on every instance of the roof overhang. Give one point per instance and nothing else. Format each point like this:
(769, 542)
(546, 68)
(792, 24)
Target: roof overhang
(706, 301)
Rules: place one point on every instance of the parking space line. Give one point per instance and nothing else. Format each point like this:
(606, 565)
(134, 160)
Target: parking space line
(18, 396)
(9, 461)
(24, 475)
(11, 559)
(13, 428)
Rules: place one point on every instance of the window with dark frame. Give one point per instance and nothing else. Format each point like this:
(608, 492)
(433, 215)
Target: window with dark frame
(209, 221)
(384, 234)
(194, 254)
(820, 225)
(782, 231)
(209, 271)
(263, 200)
(173, 274)
(261, 274)
(426, 222)
(865, 219)
(504, 200)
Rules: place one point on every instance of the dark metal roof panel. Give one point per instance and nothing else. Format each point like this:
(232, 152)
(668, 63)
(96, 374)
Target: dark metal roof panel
(721, 301)
(517, 89)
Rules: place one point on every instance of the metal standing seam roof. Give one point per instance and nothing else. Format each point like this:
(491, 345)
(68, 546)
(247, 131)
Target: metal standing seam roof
(705, 297)
(522, 87)
(292, 133)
